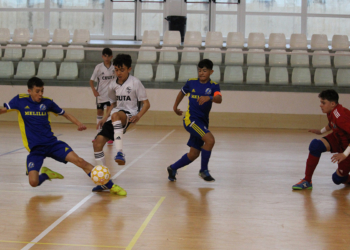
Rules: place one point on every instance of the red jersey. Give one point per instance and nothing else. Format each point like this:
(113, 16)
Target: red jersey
(339, 122)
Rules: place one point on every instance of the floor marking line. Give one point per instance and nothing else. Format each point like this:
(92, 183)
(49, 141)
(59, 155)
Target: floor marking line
(144, 224)
(60, 244)
(52, 226)
(140, 156)
(18, 149)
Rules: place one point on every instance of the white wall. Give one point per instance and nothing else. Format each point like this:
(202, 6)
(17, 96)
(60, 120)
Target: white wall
(163, 100)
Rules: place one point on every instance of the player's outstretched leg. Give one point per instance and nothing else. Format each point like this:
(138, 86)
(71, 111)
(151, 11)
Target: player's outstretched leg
(316, 148)
(209, 142)
(87, 167)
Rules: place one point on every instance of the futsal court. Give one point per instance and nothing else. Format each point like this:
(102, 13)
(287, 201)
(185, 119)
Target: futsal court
(251, 204)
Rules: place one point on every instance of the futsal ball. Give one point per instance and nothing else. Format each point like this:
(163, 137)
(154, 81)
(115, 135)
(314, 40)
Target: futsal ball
(100, 175)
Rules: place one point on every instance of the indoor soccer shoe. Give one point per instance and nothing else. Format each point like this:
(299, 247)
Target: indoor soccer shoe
(302, 184)
(206, 176)
(110, 142)
(99, 188)
(51, 174)
(120, 158)
(172, 174)
(117, 190)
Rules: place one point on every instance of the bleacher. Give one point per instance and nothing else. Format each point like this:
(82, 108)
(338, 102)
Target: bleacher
(260, 64)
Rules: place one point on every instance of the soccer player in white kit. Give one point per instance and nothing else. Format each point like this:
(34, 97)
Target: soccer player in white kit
(103, 74)
(126, 93)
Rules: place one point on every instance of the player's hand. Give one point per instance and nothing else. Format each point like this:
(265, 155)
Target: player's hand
(315, 131)
(96, 94)
(338, 158)
(178, 111)
(81, 127)
(203, 99)
(134, 119)
(100, 123)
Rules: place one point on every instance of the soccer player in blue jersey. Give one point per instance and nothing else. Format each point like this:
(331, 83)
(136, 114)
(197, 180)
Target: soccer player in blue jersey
(34, 122)
(202, 93)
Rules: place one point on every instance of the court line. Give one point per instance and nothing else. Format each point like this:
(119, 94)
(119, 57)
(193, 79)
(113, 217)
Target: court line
(58, 221)
(140, 156)
(59, 244)
(19, 149)
(144, 224)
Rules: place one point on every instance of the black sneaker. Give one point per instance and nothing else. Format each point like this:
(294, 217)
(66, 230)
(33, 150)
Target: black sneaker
(172, 174)
(206, 176)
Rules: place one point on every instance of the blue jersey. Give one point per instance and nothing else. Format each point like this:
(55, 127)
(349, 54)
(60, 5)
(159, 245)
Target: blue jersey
(195, 89)
(34, 120)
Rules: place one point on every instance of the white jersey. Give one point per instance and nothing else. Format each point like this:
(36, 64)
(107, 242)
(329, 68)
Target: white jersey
(103, 75)
(128, 95)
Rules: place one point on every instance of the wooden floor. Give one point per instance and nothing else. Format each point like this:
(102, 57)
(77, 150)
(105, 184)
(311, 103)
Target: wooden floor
(250, 206)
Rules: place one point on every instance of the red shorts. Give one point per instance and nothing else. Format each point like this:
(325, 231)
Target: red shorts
(338, 146)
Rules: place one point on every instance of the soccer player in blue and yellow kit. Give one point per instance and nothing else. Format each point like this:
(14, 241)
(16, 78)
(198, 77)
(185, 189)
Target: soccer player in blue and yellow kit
(38, 138)
(202, 93)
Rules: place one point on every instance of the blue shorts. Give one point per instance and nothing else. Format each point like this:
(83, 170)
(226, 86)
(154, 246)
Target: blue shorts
(57, 150)
(197, 129)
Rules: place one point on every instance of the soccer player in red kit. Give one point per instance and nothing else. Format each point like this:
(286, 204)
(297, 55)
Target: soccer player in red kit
(335, 142)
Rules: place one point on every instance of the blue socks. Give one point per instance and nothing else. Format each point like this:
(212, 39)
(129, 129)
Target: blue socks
(42, 178)
(205, 159)
(185, 161)
(181, 163)
(109, 184)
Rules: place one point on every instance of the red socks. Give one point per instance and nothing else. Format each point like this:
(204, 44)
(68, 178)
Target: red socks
(311, 165)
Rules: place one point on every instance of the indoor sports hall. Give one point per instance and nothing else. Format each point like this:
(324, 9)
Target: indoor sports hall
(271, 59)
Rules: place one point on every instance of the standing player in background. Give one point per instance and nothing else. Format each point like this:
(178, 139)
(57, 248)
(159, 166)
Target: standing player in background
(103, 74)
(38, 138)
(335, 142)
(202, 93)
(126, 93)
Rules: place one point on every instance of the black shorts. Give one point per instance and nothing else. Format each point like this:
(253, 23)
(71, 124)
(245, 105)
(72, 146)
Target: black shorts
(108, 130)
(102, 105)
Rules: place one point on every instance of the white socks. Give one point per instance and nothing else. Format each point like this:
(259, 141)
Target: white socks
(100, 158)
(118, 135)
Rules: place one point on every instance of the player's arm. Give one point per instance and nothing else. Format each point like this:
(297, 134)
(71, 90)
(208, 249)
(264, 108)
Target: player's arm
(178, 99)
(3, 111)
(146, 105)
(320, 131)
(337, 158)
(217, 97)
(94, 91)
(74, 120)
(107, 114)
(343, 123)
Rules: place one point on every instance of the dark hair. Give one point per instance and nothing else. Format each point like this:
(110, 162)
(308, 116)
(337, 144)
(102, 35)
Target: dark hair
(35, 81)
(205, 63)
(121, 59)
(107, 52)
(329, 95)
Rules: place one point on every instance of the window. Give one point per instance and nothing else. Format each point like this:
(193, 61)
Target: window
(198, 16)
(124, 15)
(128, 19)
(152, 17)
